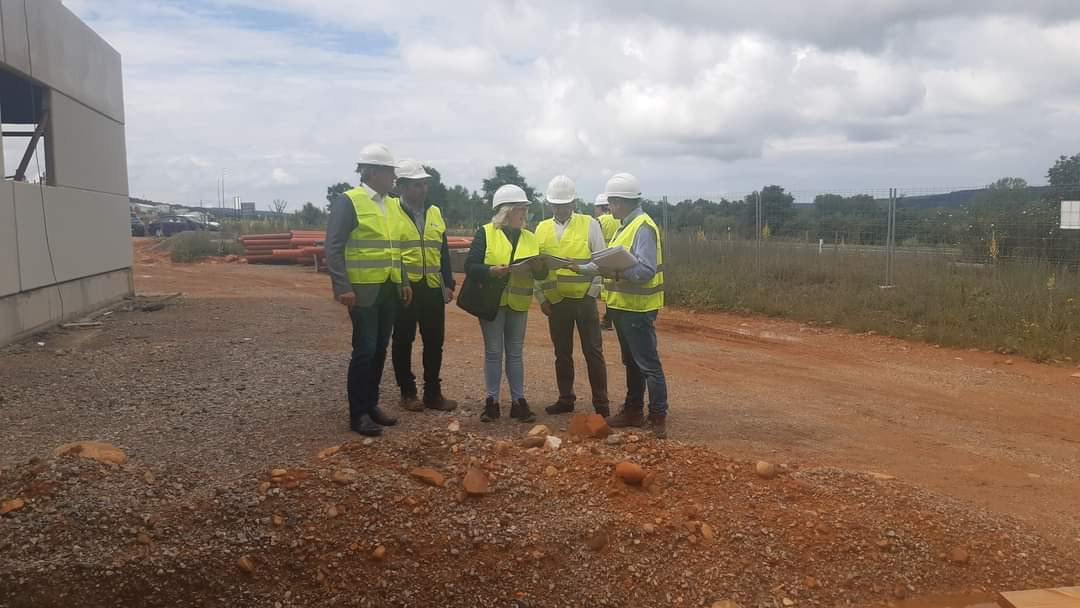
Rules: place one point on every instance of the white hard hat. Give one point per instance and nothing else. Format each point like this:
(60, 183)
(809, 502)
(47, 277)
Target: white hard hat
(377, 155)
(601, 200)
(622, 185)
(508, 194)
(410, 169)
(561, 190)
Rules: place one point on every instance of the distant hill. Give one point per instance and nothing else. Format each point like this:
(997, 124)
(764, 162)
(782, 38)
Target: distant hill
(954, 199)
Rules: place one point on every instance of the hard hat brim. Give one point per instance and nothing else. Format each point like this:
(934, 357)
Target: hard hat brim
(559, 201)
(376, 164)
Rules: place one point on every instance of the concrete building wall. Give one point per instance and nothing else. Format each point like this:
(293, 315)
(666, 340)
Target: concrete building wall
(65, 247)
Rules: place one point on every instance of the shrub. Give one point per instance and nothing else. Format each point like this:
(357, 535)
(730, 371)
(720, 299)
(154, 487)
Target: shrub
(194, 246)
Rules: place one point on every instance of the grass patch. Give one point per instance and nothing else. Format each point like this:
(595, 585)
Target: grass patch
(194, 246)
(1028, 307)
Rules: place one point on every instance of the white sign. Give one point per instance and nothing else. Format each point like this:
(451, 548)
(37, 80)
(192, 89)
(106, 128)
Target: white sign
(1070, 215)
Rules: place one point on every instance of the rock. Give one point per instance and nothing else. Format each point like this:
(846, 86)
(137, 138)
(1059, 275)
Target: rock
(597, 426)
(454, 426)
(1008, 361)
(899, 592)
(476, 482)
(94, 450)
(368, 441)
(503, 447)
(787, 601)
(810, 583)
(881, 476)
(246, 564)
(264, 487)
(725, 604)
(614, 439)
(328, 452)
(428, 476)
(579, 426)
(766, 470)
(1076, 375)
(552, 443)
(10, 506)
(278, 472)
(959, 555)
(648, 528)
(379, 554)
(277, 520)
(539, 430)
(344, 476)
(633, 438)
(707, 532)
(630, 473)
(332, 511)
(551, 471)
(148, 477)
(533, 442)
(143, 538)
(597, 541)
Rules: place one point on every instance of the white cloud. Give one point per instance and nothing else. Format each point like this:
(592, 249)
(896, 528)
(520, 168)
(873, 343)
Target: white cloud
(694, 96)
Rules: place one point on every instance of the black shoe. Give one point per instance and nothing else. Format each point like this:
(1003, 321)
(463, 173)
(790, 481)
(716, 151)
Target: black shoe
(629, 416)
(491, 410)
(519, 410)
(439, 402)
(603, 410)
(365, 426)
(560, 407)
(381, 418)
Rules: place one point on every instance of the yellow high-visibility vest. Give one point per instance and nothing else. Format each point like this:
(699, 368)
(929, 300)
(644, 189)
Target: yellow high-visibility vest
(574, 246)
(608, 225)
(624, 295)
(518, 293)
(421, 250)
(372, 254)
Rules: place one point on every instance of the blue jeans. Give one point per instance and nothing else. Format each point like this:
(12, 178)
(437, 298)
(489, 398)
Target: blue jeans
(637, 339)
(371, 328)
(505, 334)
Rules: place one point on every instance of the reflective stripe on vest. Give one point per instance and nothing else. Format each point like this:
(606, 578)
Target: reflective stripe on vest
(372, 254)
(574, 245)
(422, 253)
(519, 289)
(638, 297)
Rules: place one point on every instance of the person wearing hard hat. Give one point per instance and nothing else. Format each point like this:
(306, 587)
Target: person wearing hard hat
(634, 296)
(496, 245)
(608, 224)
(425, 256)
(364, 259)
(568, 298)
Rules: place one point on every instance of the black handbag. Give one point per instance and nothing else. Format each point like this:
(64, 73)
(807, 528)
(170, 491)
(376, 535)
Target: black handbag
(481, 298)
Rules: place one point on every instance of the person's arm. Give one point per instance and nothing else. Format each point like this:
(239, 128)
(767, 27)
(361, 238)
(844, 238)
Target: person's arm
(338, 228)
(444, 264)
(474, 262)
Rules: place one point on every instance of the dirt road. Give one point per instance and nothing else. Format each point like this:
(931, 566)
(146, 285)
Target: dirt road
(998, 433)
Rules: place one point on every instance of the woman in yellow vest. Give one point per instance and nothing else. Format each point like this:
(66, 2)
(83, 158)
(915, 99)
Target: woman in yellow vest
(496, 246)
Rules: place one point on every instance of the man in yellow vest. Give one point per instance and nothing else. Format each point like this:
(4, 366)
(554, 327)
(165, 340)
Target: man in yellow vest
(364, 258)
(634, 296)
(425, 256)
(608, 224)
(569, 298)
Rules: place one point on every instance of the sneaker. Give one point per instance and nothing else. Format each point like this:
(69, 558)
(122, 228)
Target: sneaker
(491, 410)
(410, 402)
(628, 416)
(602, 409)
(657, 423)
(520, 411)
(439, 402)
(560, 407)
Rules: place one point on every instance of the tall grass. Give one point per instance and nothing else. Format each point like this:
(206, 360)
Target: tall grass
(1028, 307)
(194, 246)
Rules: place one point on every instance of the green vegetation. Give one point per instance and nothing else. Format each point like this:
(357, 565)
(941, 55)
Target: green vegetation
(194, 246)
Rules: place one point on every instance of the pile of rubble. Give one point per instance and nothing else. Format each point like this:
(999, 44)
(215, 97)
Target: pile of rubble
(446, 518)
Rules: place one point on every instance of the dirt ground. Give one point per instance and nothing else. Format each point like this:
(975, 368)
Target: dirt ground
(245, 371)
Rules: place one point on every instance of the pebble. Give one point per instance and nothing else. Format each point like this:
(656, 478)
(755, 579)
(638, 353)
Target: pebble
(539, 430)
(476, 482)
(614, 439)
(630, 473)
(552, 443)
(429, 476)
(766, 470)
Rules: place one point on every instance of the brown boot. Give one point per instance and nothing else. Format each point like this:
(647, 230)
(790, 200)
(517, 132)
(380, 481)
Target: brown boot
(627, 416)
(410, 402)
(658, 425)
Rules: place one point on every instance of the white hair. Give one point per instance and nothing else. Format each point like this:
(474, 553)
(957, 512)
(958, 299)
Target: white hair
(501, 214)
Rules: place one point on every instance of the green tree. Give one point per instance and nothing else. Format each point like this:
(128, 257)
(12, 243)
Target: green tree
(311, 216)
(1065, 172)
(336, 189)
(506, 174)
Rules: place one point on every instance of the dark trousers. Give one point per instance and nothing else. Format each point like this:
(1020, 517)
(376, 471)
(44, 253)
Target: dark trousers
(429, 312)
(370, 337)
(637, 339)
(564, 316)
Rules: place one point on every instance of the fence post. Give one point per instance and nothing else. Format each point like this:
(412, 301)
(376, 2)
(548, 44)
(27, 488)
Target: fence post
(757, 234)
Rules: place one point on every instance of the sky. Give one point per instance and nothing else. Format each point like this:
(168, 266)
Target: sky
(696, 98)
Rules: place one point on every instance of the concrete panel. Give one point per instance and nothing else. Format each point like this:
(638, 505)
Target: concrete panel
(90, 232)
(34, 267)
(9, 245)
(16, 46)
(87, 148)
(24, 314)
(67, 55)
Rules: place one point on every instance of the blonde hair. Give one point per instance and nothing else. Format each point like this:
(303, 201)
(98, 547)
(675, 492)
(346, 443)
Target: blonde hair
(503, 212)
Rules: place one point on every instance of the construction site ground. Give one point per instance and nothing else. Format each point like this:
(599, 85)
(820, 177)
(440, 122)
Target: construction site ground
(907, 470)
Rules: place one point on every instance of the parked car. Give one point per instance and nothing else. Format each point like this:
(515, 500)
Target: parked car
(204, 220)
(168, 225)
(138, 228)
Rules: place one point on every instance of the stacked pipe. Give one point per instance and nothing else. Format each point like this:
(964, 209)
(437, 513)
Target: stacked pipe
(304, 247)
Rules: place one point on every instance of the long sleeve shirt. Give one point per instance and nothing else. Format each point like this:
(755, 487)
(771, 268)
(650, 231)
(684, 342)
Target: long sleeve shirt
(596, 243)
(444, 253)
(643, 249)
(474, 262)
(338, 228)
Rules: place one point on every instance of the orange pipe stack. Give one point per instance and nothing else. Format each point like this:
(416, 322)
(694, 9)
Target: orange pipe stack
(304, 247)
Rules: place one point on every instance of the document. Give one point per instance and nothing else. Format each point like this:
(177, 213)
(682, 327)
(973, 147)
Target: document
(552, 262)
(614, 258)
